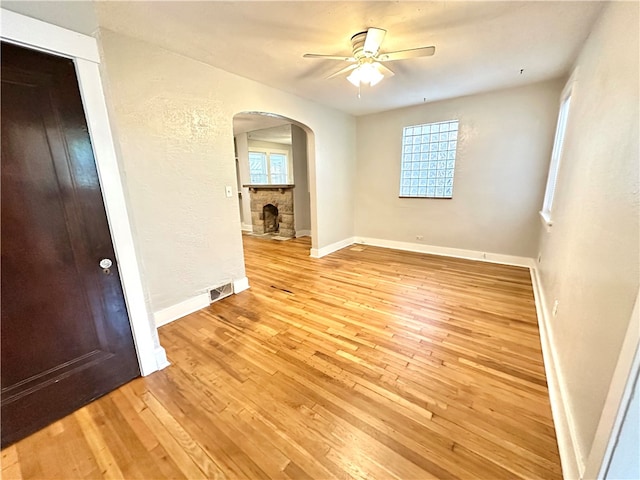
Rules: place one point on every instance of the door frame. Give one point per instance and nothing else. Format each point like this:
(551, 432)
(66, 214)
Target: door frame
(83, 50)
(618, 400)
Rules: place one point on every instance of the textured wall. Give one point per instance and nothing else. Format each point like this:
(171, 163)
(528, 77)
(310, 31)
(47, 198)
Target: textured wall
(590, 257)
(301, 196)
(504, 147)
(242, 151)
(77, 16)
(172, 117)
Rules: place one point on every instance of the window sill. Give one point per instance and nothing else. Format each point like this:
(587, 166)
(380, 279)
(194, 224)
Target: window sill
(424, 196)
(545, 218)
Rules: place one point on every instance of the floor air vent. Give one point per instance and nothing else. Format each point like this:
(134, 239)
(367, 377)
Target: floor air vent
(220, 292)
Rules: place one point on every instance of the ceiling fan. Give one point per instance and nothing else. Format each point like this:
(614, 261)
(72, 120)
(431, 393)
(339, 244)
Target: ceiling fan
(367, 61)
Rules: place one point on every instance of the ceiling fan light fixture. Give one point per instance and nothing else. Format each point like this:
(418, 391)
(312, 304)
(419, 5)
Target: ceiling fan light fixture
(368, 73)
(354, 77)
(375, 75)
(367, 65)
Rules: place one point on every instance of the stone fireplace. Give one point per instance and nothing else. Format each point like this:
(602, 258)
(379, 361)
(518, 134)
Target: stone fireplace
(272, 209)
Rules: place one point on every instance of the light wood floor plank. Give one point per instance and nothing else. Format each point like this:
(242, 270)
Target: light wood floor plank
(102, 452)
(367, 363)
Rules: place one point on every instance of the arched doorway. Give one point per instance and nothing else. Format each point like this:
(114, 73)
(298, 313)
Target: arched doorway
(273, 159)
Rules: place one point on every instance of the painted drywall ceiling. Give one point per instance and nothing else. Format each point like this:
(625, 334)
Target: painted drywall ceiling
(480, 46)
(249, 122)
(280, 134)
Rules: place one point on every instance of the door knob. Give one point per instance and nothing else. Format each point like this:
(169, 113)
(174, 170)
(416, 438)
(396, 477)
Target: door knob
(105, 263)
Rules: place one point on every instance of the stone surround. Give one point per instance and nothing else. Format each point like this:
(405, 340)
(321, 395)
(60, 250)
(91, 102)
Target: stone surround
(281, 197)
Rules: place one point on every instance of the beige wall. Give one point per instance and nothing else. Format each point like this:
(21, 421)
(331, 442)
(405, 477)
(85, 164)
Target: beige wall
(173, 122)
(242, 152)
(77, 16)
(503, 152)
(590, 257)
(301, 195)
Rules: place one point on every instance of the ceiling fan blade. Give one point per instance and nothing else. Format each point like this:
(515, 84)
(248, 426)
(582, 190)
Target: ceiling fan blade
(344, 70)
(329, 57)
(403, 54)
(373, 40)
(387, 72)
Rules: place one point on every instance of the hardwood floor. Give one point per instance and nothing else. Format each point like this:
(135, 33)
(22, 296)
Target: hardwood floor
(368, 363)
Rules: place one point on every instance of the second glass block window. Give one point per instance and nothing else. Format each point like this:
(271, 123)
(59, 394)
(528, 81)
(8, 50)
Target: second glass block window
(428, 160)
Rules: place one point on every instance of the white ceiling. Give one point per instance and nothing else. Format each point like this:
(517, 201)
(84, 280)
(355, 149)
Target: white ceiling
(249, 122)
(263, 128)
(281, 134)
(480, 46)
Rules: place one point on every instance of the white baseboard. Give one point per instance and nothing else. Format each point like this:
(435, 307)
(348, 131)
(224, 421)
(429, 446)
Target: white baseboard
(179, 310)
(246, 227)
(448, 252)
(572, 459)
(240, 285)
(303, 233)
(334, 247)
(161, 358)
(190, 305)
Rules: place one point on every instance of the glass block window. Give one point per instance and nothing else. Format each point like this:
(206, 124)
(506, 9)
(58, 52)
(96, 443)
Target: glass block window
(428, 160)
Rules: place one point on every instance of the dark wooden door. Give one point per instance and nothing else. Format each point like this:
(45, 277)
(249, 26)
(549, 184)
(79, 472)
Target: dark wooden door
(66, 337)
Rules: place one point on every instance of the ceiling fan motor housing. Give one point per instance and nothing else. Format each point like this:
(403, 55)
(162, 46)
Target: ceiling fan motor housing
(357, 43)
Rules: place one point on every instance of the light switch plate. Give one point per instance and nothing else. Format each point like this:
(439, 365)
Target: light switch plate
(228, 191)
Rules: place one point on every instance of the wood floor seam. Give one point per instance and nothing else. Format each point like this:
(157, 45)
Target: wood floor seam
(368, 363)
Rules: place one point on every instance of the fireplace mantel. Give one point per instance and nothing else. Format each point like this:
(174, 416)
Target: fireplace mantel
(268, 186)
